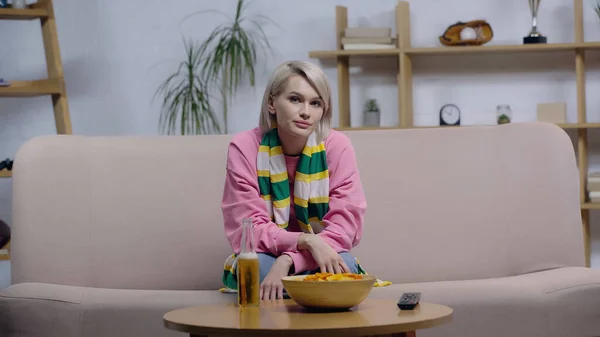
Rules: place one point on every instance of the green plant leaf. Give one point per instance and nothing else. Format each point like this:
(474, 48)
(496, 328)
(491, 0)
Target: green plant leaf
(223, 62)
(186, 106)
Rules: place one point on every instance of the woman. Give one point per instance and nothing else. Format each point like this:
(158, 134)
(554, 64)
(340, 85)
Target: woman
(297, 179)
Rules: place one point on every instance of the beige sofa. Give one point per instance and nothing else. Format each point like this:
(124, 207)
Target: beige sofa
(109, 233)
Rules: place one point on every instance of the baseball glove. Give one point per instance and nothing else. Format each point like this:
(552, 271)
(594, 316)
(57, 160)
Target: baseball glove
(483, 32)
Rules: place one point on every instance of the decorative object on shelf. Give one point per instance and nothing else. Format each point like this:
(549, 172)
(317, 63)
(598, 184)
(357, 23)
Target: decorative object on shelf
(372, 114)
(6, 164)
(4, 234)
(3, 4)
(19, 4)
(503, 114)
(552, 112)
(360, 38)
(468, 33)
(222, 62)
(472, 33)
(534, 36)
(593, 186)
(3, 83)
(449, 115)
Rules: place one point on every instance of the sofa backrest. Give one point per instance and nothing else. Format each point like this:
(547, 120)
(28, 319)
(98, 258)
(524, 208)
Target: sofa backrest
(443, 204)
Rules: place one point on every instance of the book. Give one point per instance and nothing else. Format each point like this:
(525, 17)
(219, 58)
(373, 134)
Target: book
(593, 186)
(368, 46)
(593, 181)
(378, 40)
(594, 196)
(367, 32)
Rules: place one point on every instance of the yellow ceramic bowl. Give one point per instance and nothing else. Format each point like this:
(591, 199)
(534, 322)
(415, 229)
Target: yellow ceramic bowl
(343, 294)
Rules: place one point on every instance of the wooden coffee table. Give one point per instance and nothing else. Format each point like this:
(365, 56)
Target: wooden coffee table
(373, 317)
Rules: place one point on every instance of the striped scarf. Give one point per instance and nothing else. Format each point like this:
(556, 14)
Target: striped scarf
(311, 185)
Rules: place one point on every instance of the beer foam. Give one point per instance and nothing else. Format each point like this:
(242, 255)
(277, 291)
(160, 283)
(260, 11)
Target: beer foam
(248, 256)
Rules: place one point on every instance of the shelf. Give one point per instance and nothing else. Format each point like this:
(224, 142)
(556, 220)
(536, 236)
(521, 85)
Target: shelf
(580, 126)
(32, 88)
(497, 49)
(363, 128)
(502, 49)
(5, 174)
(590, 205)
(22, 14)
(322, 54)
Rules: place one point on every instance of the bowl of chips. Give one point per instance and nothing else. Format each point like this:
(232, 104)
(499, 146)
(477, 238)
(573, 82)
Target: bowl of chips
(329, 291)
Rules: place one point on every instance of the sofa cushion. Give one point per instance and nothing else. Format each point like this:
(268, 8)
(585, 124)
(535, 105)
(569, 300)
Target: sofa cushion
(560, 302)
(66, 311)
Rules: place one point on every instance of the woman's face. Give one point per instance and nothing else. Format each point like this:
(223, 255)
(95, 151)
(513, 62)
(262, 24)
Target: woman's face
(298, 108)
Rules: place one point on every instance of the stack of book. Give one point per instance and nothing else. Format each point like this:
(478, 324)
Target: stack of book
(593, 186)
(361, 38)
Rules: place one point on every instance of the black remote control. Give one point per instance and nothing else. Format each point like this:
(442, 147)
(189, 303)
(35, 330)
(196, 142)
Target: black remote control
(408, 301)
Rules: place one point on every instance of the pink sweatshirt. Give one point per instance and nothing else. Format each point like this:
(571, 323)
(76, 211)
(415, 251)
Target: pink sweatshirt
(241, 199)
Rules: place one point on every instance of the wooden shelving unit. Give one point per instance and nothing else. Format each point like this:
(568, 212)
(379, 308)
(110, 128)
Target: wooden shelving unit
(499, 49)
(590, 205)
(472, 50)
(32, 88)
(405, 54)
(20, 14)
(567, 126)
(322, 54)
(54, 85)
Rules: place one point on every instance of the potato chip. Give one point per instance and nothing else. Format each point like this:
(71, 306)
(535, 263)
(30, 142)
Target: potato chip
(323, 277)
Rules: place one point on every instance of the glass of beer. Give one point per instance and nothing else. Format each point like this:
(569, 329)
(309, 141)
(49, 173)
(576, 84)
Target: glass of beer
(248, 277)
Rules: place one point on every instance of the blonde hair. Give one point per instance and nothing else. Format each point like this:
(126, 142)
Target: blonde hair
(277, 83)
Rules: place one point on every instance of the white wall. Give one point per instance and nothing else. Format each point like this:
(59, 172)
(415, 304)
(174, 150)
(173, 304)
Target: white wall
(115, 54)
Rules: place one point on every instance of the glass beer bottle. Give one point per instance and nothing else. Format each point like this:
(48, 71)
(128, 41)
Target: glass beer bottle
(248, 277)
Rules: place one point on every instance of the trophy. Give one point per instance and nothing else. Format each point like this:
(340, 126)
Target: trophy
(534, 36)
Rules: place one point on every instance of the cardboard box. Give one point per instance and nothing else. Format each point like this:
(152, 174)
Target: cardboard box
(552, 112)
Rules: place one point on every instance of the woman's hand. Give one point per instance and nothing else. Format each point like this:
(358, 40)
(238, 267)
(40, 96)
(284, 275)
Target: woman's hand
(271, 287)
(328, 260)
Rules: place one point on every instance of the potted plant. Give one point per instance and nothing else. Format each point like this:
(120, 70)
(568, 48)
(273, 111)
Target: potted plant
(222, 62)
(503, 114)
(371, 113)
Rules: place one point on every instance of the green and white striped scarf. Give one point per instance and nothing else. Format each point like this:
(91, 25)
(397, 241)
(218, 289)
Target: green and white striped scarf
(311, 189)
(311, 185)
